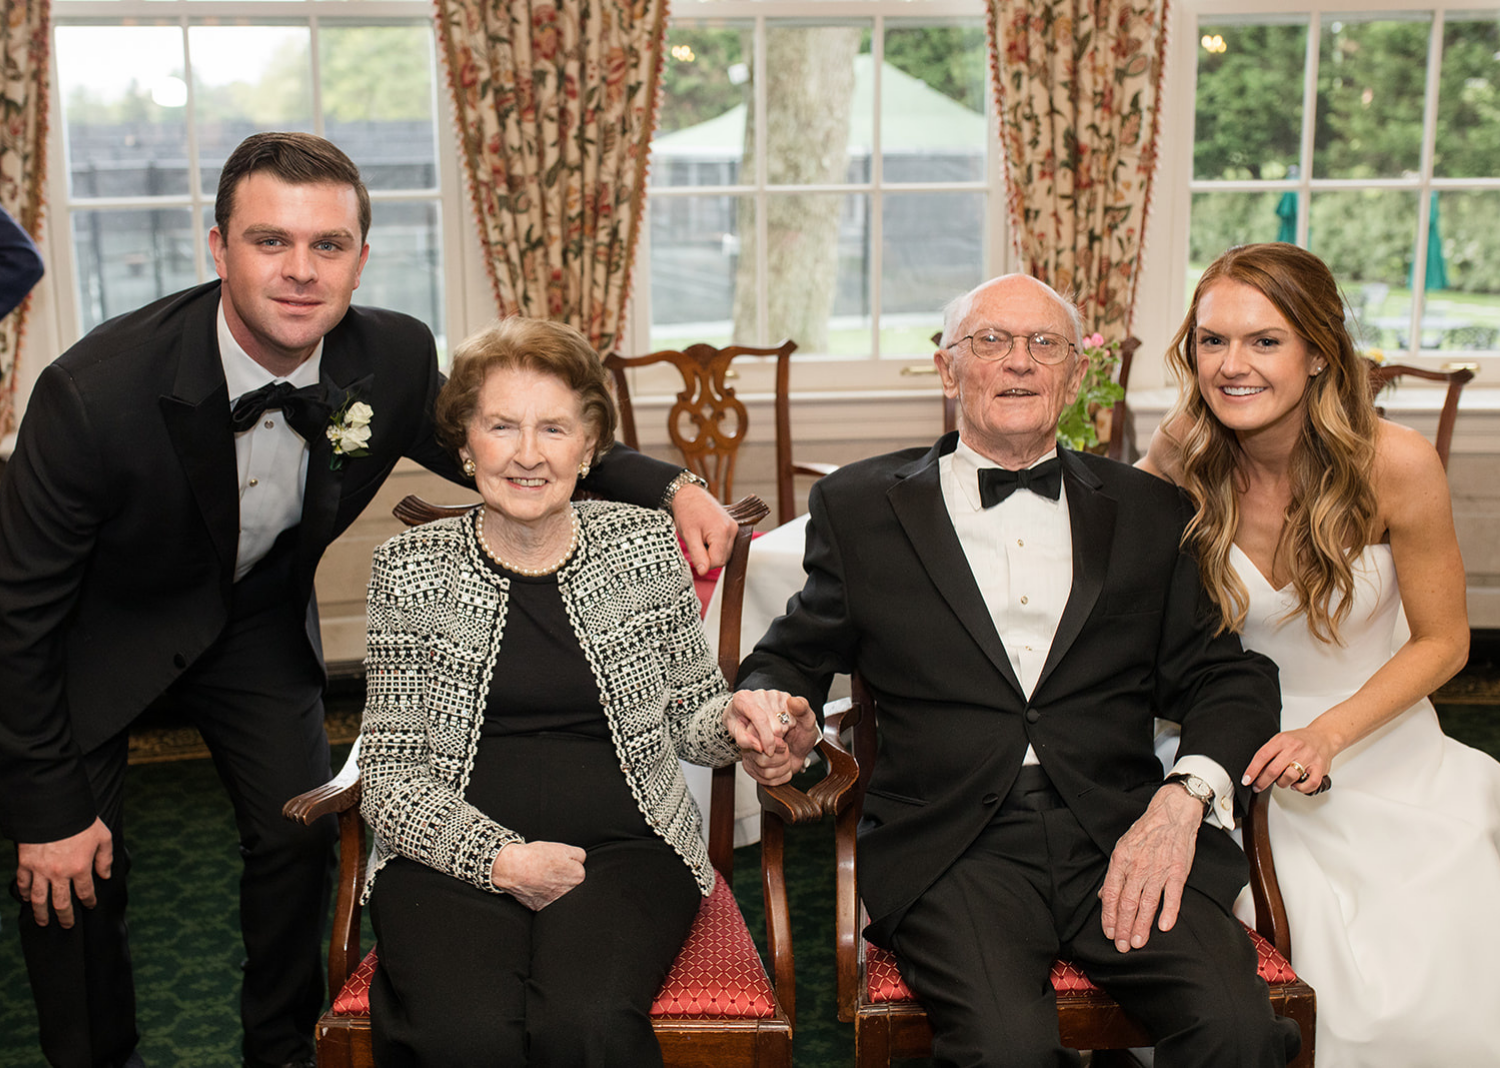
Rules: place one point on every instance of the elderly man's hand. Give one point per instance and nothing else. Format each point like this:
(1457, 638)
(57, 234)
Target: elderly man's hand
(706, 528)
(1149, 867)
(774, 730)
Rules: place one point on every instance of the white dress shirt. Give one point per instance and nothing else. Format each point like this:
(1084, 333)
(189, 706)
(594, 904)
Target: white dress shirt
(271, 457)
(1021, 554)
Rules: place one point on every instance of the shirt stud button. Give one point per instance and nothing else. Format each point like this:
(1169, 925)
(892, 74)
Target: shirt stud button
(255, 482)
(269, 425)
(1025, 600)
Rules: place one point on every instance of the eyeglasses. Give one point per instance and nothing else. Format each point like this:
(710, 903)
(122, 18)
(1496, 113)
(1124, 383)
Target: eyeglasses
(1044, 347)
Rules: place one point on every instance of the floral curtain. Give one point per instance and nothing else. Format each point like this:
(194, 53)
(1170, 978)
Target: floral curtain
(556, 103)
(1078, 84)
(23, 155)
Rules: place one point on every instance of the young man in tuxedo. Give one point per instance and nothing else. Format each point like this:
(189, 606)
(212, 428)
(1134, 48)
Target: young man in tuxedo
(179, 473)
(1021, 614)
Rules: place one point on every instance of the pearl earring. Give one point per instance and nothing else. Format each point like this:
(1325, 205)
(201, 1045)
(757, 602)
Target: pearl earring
(469, 468)
(583, 469)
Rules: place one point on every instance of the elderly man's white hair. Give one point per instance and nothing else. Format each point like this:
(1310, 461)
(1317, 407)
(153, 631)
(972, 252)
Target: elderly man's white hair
(957, 309)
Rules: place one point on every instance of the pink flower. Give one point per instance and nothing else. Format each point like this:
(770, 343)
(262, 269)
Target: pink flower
(1094, 341)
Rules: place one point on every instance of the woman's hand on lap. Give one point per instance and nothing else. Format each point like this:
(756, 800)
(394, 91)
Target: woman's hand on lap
(537, 873)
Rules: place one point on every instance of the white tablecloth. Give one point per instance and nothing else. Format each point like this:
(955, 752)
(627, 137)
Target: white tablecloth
(773, 574)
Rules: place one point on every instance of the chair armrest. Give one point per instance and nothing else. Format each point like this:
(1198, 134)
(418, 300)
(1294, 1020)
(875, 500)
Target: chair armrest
(414, 511)
(816, 470)
(338, 794)
(842, 791)
(1270, 911)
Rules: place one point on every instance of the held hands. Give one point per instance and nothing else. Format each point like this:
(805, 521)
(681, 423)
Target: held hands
(57, 873)
(706, 528)
(537, 873)
(1149, 866)
(1297, 759)
(774, 730)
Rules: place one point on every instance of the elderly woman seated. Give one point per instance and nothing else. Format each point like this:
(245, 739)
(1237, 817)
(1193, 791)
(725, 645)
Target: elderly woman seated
(536, 668)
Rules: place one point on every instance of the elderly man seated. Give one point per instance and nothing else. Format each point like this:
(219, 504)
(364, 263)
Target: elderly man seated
(1022, 613)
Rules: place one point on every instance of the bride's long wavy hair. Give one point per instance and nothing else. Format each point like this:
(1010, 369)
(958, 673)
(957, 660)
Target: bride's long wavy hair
(1332, 507)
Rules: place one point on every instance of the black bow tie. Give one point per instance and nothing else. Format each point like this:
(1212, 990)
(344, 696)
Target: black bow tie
(996, 483)
(306, 409)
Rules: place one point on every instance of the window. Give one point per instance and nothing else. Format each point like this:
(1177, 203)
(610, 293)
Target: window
(151, 102)
(853, 145)
(1370, 137)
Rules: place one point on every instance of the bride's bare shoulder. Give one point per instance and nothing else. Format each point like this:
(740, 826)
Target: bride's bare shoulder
(1164, 456)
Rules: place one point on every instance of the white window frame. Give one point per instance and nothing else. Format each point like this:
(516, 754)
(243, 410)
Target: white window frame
(1162, 298)
(54, 323)
(825, 376)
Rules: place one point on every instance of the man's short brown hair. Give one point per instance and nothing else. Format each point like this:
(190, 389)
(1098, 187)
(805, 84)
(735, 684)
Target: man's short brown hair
(295, 158)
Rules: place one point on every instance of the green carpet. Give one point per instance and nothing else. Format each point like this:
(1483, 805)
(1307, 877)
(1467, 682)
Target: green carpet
(185, 934)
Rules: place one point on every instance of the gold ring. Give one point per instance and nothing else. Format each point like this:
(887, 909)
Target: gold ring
(1301, 769)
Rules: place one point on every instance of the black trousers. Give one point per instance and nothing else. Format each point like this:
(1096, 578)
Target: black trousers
(470, 979)
(256, 696)
(977, 948)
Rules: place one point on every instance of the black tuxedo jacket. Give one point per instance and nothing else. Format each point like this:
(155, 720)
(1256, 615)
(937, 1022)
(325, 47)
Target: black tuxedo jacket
(889, 594)
(119, 525)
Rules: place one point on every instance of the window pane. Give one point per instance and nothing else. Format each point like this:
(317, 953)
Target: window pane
(933, 250)
(1222, 220)
(247, 79)
(405, 268)
(1367, 238)
(932, 87)
(1372, 74)
(705, 92)
(695, 255)
(820, 114)
(128, 258)
(1468, 125)
(819, 271)
(124, 110)
(377, 102)
(1249, 107)
(1464, 314)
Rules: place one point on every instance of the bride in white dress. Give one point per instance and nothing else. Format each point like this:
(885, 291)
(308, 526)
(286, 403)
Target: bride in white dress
(1316, 522)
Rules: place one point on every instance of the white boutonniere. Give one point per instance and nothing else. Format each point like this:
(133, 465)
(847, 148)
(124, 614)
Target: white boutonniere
(349, 431)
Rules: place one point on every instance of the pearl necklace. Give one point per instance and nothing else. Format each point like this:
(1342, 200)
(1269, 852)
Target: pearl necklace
(529, 572)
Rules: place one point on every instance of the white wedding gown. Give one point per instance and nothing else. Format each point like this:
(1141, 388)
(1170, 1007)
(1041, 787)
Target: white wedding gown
(1391, 877)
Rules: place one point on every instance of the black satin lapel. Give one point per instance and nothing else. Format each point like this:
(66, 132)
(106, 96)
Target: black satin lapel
(918, 503)
(1091, 517)
(205, 447)
(321, 491)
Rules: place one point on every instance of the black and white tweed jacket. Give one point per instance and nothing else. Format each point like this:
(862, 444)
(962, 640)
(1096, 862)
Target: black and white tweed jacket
(437, 617)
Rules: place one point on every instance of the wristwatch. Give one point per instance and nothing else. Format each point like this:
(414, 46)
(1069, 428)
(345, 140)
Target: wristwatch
(1198, 788)
(686, 478)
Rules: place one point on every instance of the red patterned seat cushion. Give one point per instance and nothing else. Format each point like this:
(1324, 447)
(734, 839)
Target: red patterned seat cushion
(884, 982)
(717, 971)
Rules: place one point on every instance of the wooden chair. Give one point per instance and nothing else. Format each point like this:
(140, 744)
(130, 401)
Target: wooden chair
(889, 1022)
(717, 1006)
(707, 422)
(1122, 434)
(1383, 374)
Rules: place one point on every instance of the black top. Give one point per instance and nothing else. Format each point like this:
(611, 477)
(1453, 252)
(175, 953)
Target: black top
(542, 681)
